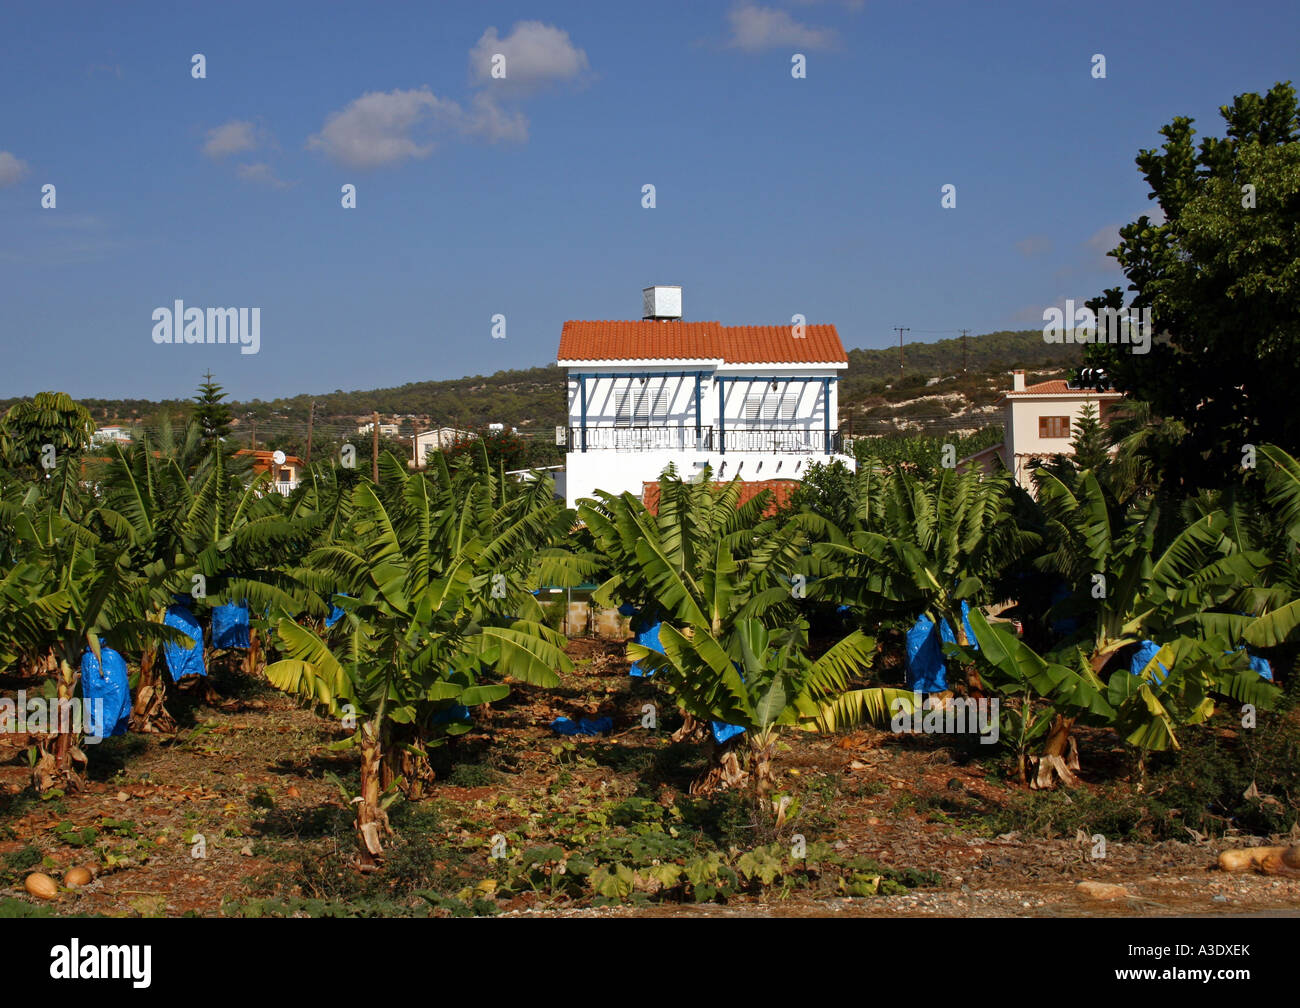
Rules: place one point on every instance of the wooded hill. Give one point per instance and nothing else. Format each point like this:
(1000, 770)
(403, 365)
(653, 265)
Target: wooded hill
(534, 397)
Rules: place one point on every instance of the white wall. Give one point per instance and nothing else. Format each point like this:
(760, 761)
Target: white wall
(620, 472)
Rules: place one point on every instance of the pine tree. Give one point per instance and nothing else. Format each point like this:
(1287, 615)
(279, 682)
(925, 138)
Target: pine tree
(211, 413)
(1090, 446)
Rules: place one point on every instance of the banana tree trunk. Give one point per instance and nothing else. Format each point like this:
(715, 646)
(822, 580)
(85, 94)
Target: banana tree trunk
(148, 712)
(372, 821)
(60, 760)
(1060, 756)
(762, 750)
(254, 664)
(724, 768)
(405, 759)
(974, 683)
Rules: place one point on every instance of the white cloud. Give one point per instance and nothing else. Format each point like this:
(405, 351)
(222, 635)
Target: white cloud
(755, 28)
(377, 128)
(489, 120)
(535, 54)
(11, 169)
(1099, 244)
(261, 173)
(381, 129)
(230, 138)
(1033, 245)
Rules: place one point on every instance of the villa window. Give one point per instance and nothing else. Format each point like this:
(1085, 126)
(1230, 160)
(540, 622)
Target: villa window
(763, 404)
(1054, 427)
(640, 403)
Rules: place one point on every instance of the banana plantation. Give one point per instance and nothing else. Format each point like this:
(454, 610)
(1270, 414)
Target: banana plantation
(398, 646)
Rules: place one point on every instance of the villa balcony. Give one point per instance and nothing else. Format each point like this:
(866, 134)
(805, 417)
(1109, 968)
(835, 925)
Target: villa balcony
(741, 438)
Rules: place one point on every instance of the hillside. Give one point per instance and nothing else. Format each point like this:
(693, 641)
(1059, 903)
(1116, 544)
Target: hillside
(872, 394)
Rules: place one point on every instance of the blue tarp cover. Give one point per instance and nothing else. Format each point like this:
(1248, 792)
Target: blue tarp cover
(926, 671)
(1261, 666)
(184, 661)
(583, 726)
(107, 683)
(647, 637)
(230, 626)
(1142, 657)
(1148, 649)
(456, 712)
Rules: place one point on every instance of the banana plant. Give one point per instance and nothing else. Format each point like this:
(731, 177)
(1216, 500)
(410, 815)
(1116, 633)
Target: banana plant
(753, 677)
(922, 546)
(1144, 572)
(1063, 678)
(1178, 687)
(91, 591)
(435, 603)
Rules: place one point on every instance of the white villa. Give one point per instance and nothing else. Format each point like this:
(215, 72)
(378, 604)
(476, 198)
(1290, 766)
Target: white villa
(1040, 422)
(112, 434)
(759, 402)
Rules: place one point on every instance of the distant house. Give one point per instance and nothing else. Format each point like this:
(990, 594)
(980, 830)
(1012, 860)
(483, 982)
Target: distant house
(755, 401)
(385, 429)
(426, 443)
(1040, 422)
(285, 475)
(112, 434)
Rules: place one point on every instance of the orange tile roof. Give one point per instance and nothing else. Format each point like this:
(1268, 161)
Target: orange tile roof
(263, 459)
(655, 340)
(781, 489)
(1058, 386)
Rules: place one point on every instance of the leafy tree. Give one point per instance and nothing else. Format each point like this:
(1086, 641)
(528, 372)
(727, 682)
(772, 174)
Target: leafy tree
(1220, 280)
(47, 419)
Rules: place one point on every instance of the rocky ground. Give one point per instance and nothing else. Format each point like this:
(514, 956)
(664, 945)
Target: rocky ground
(241, 813)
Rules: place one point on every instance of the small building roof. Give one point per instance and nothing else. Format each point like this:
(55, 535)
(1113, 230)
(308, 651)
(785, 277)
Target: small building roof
(781, 489)
(1059, 386)
(655, 340)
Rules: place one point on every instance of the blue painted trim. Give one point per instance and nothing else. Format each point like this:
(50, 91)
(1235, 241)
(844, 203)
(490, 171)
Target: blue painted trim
(722, 416)
(582, 392)
(698, 419)
(826, 409)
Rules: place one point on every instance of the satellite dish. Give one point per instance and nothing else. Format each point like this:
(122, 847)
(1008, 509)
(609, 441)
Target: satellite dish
(278, 457)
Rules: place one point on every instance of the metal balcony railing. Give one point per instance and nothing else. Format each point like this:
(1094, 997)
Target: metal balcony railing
(741, 438)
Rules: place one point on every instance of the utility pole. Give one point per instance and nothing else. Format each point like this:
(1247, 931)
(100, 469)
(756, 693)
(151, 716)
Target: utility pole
(374, 448)
(901, 330)
(254, 433)
(310, 417)
(963, 350)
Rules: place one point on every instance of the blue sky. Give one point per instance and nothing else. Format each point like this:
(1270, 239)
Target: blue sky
(522, 197)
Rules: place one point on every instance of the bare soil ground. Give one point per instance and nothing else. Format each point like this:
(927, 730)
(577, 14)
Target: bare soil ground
(248, 788)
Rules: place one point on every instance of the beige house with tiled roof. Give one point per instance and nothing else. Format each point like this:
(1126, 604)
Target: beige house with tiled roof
(1040, 422)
